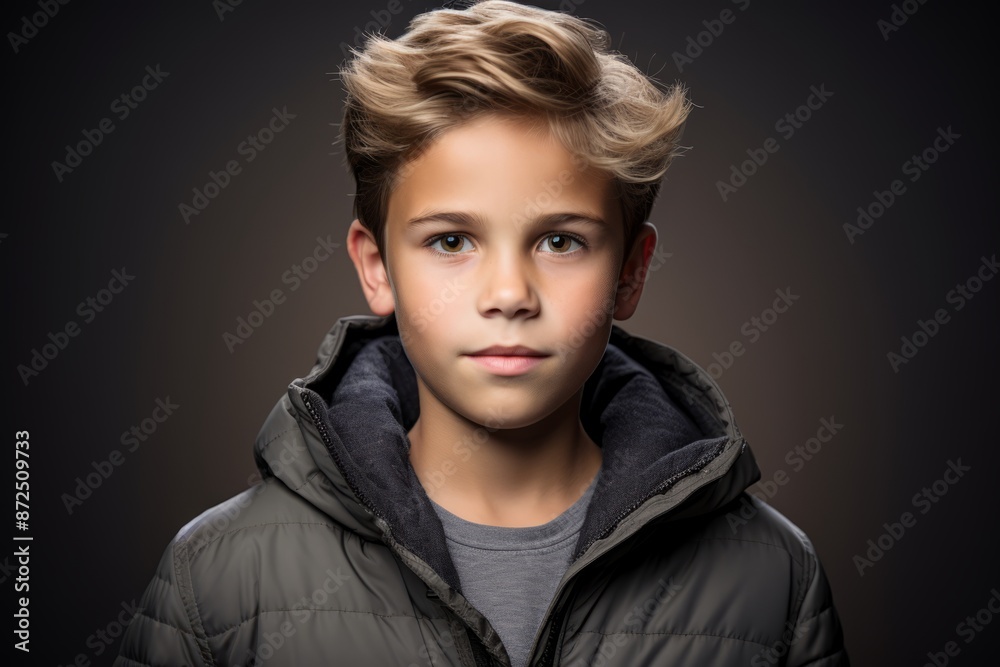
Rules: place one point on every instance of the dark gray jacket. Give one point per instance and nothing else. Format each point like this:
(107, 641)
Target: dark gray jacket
(338, 558)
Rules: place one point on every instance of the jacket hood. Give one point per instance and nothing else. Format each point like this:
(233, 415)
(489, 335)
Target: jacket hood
(661, 421)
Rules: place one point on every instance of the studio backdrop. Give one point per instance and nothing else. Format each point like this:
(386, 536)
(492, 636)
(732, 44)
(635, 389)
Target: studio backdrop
(174, 251)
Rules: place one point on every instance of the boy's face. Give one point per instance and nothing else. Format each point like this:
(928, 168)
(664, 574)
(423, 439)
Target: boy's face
(515, 279)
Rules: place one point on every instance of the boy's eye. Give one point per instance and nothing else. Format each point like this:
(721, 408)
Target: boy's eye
(561, 243)
(451, 243)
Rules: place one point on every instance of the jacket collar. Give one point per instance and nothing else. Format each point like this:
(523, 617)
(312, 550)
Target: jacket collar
(660, 420)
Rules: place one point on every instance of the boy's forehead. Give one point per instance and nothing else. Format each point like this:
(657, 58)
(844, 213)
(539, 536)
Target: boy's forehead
(504, 168)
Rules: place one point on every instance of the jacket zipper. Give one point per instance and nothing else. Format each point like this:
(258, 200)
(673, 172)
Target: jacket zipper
(658, 489)
(308, 400)
(477, 648)
(548, 656)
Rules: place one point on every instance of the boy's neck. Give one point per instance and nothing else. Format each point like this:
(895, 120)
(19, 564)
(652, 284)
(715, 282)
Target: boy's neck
(503, 477)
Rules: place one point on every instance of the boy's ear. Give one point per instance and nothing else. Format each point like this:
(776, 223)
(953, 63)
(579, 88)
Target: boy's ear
(634, 270)
(364, 253)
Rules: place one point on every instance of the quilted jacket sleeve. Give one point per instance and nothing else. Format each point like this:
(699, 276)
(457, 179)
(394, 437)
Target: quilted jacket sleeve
(817, 639)
(166, 630)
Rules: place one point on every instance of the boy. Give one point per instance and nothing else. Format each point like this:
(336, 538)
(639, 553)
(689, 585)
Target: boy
(486, 471)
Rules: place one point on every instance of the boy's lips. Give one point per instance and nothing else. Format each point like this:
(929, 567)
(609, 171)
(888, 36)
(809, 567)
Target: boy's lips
(508, 351)
(507, 359)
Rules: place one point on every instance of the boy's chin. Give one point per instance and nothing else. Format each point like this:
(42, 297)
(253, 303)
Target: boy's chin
(494, 415)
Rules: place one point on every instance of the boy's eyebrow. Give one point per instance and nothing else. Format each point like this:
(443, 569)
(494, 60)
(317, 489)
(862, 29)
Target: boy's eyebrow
(463, 218)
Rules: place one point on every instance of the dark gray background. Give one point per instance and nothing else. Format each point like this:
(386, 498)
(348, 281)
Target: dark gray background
(162, 336)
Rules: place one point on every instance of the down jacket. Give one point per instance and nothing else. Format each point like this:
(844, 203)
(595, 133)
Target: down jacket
(337, 558)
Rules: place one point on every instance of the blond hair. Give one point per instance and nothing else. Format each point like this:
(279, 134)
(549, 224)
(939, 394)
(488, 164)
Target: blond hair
(503, 58)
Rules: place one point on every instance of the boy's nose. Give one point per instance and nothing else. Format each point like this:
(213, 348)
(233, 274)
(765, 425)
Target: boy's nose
(507, 288)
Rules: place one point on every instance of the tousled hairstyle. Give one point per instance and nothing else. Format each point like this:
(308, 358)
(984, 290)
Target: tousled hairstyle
(501, 58)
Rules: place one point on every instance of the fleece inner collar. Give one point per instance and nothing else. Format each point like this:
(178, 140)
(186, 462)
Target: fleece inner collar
(646, 436)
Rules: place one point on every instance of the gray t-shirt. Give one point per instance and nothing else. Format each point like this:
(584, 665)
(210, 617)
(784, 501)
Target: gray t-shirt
(511, 574)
